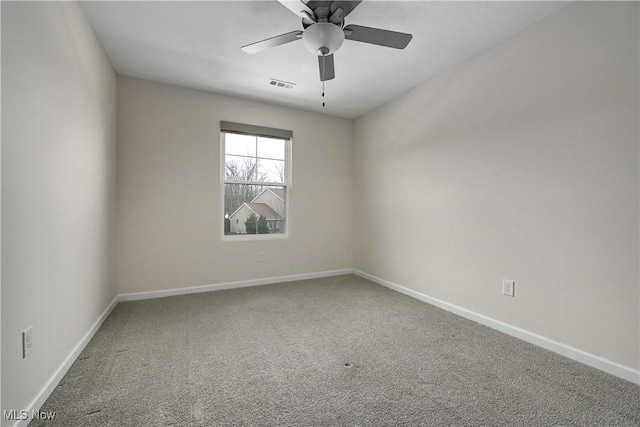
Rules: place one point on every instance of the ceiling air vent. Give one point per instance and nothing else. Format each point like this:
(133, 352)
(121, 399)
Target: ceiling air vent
(280, 83)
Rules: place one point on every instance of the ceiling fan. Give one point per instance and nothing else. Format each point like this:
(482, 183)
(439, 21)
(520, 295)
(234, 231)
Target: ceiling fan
(324, 32)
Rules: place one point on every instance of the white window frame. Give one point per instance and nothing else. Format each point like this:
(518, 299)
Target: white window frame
(258, 131)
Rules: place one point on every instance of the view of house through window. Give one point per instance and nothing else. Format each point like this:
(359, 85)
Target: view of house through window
(256, 180)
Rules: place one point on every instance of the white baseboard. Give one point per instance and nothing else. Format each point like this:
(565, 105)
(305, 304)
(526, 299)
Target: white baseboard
(55, 379)
(230, 285)
(576, 354)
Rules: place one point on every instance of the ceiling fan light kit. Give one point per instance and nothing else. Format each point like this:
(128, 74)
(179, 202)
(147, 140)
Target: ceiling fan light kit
(324, 32)
(323, 38)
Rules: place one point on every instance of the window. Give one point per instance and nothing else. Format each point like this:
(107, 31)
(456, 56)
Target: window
(256, 171)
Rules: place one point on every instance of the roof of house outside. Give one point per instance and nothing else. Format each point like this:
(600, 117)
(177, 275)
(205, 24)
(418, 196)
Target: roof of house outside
(278, 192)
(275, 190)
(264, 210)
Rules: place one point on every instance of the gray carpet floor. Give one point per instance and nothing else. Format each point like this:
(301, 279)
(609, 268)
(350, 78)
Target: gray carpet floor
(338, 351)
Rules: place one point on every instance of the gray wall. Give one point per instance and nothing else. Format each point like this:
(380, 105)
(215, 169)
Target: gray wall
(169, 216)
(520, 164)
(58, 189)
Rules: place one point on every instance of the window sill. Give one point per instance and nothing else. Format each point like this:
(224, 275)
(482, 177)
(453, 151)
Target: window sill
(253, 237)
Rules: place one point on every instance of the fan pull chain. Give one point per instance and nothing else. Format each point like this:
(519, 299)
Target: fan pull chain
(324, 59)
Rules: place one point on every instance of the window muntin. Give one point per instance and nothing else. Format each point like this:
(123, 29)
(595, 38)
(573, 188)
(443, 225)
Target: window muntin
(256, 183)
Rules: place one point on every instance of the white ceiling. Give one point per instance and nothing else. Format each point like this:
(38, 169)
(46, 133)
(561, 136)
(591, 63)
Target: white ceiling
(197, 45)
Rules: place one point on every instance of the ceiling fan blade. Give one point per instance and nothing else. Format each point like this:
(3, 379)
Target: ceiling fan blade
(327, 72)
(377, 36)
(272, 42)
(297, 7)
(346, 5)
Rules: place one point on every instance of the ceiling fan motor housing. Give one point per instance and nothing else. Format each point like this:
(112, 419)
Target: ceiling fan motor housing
(323, 38)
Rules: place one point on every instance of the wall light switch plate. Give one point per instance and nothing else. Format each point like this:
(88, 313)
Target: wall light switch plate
(27, 341)
(508, 288)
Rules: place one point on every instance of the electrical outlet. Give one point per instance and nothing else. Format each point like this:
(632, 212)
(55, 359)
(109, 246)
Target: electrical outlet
(508, 288)
(261, 256)
(27, 341)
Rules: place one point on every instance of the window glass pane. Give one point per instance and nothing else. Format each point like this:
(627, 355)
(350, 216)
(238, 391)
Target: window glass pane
(242, 145)
(241, 169)
(237, 194)
(254, 209)
(271, 148)
(271, 170)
